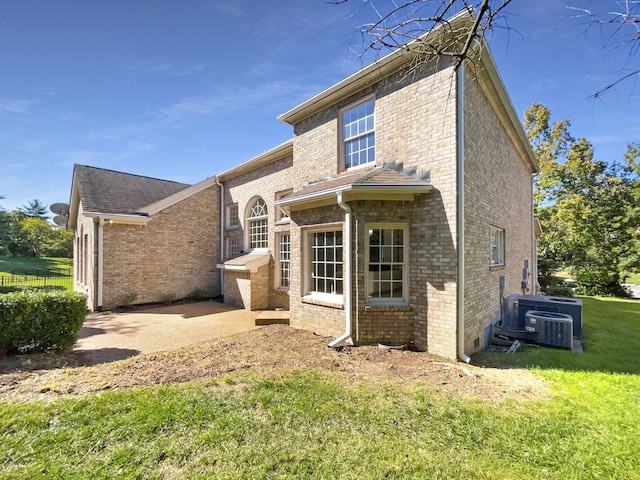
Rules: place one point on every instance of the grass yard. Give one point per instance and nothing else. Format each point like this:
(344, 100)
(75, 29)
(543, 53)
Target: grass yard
(29, 271)
(305, 423)
(635, 279)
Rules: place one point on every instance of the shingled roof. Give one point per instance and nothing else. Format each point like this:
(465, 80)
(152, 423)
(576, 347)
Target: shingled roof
(107, 191)
(379, 182)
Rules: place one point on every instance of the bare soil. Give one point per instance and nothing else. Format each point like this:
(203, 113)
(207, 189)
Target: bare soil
(265, 352)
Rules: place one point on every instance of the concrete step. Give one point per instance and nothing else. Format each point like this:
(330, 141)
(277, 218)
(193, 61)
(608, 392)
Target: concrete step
(272, 317)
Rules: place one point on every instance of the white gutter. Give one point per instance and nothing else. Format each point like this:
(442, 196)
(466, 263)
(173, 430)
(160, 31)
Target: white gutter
(347, 275)
(221, 232)
(100, 263)
(460, 210)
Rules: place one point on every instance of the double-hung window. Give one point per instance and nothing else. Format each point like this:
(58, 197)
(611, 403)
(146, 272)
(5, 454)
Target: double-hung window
(284, 260)
(358, 135)
(258, 224)
(497, 246)
(387, 259)
(325, 275)
(233, 221)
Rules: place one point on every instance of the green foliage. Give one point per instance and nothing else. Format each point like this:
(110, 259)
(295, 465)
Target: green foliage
(33, 320)
(129, 298)
(24, 235)
(196, 294)
(35, 209)
(168, 297)
(588, 208)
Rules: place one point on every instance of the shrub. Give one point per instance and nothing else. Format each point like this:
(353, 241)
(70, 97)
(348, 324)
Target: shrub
(196, 294)
(129, 298)
(41, 320)
(600, 281)
(168, 297)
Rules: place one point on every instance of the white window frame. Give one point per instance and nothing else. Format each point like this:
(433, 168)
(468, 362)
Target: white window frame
(233, 247)
(309, 259)
(257, 220)
(391, 262)
(496, 246)
(281, 215)
(353, 130)
(283, 271)
(232, 216)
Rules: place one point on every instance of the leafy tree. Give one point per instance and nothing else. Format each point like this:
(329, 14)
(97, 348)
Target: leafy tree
(37, 231)
(585, 206)
(35, 209)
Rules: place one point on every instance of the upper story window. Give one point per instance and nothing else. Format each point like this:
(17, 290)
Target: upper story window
(497, 246)
(233, 221)
(358, 135)
(258, 224)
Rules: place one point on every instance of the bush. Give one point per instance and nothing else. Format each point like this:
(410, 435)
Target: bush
(33, 321)
(600, 281)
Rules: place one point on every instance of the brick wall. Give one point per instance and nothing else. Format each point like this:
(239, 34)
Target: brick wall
(174, 254)
(85, 258)
(498, 193)
(265, 182)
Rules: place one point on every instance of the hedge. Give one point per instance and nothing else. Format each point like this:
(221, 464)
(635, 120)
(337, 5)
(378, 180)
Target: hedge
(35, 321)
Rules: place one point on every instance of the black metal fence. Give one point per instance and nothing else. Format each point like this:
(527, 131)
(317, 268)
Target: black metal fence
(62, 277)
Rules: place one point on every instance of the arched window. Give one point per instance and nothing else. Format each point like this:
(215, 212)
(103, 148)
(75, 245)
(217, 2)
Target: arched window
(258, 224)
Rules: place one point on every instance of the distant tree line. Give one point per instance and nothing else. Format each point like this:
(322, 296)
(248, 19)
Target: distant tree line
(25, 232)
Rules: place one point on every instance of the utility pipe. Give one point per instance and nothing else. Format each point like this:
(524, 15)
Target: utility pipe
(100, 266)
(346, 245)
(460, 204)
(221, 234)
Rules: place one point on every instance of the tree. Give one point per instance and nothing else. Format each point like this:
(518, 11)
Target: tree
(402, 25)
(585, 206)
(35, 209)
(37, 231)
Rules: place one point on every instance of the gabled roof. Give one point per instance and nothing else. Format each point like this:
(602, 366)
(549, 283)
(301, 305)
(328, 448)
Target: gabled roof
(103, 191)
(379, 183)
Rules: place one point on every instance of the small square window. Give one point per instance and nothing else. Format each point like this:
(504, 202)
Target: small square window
(497, 246)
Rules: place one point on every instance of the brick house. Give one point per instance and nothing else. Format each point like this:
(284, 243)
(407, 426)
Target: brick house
(353, 226)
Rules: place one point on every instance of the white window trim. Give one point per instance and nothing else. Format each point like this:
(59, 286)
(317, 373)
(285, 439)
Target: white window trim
(228, 216)
(404, 301)
(278, 273)
(227, 247)
(500, 246)
(309, 296)
(248, 219)
(341, 139)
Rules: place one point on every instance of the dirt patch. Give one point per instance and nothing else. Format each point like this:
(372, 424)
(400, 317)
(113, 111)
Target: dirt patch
(265, 352)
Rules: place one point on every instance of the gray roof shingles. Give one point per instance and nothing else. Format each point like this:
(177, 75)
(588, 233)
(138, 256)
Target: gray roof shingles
(108, 191)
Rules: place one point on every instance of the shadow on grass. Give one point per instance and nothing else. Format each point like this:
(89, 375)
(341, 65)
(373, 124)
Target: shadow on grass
(611, 341)
(51, 361)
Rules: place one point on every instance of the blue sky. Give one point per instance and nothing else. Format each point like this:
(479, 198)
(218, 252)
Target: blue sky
(185, 89)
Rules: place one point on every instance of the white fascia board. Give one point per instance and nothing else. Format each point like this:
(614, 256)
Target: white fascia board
(265, 158)
(178, 197)
(114, 218)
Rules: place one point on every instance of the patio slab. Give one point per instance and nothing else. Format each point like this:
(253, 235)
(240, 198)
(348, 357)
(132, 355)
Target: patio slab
(111, 336)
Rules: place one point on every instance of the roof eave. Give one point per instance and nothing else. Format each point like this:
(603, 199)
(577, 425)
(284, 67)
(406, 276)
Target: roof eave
(265, 158)
(354, 191)
(370, 74)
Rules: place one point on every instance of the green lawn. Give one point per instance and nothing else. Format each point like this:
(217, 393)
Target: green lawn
(306, 424)
(28, 271)
(635, 279)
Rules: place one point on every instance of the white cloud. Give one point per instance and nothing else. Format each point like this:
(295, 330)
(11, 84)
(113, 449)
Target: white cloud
(21, 106)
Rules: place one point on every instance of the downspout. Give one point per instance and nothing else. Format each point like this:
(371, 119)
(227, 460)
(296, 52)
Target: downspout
(460, 204)
(347, 269)
(100, 266)
(221, 234)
